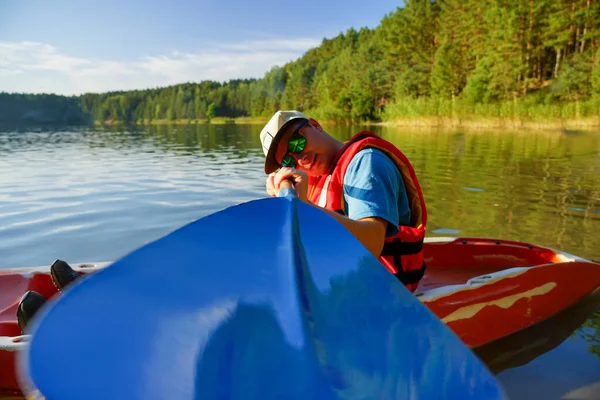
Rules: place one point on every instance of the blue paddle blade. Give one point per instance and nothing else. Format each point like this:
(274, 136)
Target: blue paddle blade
(270, 299)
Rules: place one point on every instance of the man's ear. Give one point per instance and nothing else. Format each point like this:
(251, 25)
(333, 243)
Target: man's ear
(313, 122)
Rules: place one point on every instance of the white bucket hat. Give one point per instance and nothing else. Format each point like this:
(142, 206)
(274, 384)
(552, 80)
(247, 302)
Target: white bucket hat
(271, 135)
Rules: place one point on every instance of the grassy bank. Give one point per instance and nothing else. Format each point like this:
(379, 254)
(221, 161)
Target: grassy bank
(517, 114)
(441, 113)
(446, 113)
(591, 123)
(471, 123)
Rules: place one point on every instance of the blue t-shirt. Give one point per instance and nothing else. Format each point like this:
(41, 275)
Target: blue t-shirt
(373, 187)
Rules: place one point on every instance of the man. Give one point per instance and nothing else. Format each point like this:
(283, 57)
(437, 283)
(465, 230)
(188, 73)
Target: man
(366, 184)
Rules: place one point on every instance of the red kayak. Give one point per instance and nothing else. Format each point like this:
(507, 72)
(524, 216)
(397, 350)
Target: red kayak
(485, 290)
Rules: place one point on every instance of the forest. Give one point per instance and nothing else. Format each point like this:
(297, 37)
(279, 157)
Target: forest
(536, 60)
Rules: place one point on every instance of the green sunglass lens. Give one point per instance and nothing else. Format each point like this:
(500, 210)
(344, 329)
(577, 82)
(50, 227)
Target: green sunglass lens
(288, 162)
(296, 145)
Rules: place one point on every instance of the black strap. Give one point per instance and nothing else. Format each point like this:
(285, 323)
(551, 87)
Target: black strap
(409, 277)
(398, 247)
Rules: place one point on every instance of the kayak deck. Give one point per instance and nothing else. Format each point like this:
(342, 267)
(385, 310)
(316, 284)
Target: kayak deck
(451, 262)
(483, 289)
(486, 289)
(13, 284)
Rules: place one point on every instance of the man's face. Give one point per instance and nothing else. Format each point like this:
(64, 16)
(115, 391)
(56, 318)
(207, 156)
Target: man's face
(305, 147)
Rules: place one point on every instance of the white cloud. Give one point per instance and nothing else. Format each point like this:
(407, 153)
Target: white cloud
(36, 56)
(6, 71)
(34, 67)
(268, 45)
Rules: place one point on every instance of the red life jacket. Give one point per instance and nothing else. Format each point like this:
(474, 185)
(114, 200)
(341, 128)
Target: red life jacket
(402, 253)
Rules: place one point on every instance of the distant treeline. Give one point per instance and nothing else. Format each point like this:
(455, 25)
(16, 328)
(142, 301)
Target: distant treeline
(431, 58)
(16, 109)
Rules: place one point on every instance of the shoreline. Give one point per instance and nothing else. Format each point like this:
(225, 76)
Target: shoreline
(588, 124)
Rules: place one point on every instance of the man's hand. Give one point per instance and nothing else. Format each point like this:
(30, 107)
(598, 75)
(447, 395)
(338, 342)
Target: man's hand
(370, 231)
(298, 178)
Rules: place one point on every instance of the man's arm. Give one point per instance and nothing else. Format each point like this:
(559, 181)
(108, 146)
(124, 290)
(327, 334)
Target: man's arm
(369, 231)
(371, 188)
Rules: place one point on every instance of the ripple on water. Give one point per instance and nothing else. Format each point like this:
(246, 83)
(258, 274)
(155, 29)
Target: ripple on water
(95, 195)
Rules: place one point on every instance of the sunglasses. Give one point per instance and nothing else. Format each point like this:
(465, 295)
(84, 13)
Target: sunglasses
(295, 145)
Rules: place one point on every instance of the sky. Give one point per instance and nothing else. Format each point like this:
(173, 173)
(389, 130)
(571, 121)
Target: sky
(72, 47)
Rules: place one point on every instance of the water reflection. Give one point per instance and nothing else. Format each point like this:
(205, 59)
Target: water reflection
(242, 139)
(511, 185)
(96, 194)
(523, 347)
(590, 332)
(122, 187)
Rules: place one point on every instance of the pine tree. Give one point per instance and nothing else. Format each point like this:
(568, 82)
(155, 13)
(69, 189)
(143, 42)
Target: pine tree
(410, 43)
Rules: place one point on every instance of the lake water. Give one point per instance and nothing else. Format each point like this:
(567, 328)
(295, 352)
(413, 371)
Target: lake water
(97, 194)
